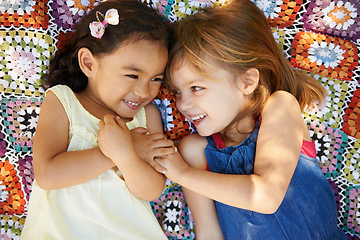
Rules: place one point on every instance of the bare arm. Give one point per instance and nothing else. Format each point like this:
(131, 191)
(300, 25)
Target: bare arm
(202, 208)
(278, 149)
(142, 180)
(54, 167)
(151, 142)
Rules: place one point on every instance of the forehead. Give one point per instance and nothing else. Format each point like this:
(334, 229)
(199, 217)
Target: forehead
(142, 54)
(186, 76)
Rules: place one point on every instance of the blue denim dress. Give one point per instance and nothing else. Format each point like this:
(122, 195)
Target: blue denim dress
(307, 212)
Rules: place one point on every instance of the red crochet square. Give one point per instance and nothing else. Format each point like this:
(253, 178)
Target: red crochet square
(351, 124)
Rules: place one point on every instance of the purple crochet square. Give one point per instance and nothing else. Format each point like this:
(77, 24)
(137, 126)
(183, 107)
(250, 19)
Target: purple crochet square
(339, 18)
(67, 13)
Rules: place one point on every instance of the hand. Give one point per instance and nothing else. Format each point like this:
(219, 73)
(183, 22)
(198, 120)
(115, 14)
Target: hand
(114, 138)
(174, 166)
(150, 146)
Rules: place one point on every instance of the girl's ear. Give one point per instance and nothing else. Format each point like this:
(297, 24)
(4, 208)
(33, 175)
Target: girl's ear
(86, 61)
(248, 81)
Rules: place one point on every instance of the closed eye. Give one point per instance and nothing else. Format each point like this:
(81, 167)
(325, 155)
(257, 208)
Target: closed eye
(133, 76)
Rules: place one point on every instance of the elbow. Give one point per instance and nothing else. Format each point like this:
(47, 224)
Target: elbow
(149, 193)
(42, 181)
(270, 205)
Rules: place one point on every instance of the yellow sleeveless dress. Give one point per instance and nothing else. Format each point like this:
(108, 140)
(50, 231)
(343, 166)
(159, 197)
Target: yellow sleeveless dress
(102, 208)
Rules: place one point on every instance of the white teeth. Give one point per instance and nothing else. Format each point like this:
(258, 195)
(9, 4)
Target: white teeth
(134, 104)
(198, 117)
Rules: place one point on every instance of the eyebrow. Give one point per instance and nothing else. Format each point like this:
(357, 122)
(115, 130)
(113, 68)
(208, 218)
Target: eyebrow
(136, 69)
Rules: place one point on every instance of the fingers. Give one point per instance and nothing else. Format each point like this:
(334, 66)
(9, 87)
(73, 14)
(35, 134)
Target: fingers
(120, 122)
(140, 130)
(108, 118)
(158, 152)
(155, 165)
(101, 124)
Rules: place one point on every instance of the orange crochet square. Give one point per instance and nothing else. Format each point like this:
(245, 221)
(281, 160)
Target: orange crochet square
(328, 56)
(26, 14)
(14, 197)
(285, 13)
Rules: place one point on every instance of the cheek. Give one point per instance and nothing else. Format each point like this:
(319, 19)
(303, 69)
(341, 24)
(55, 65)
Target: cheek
(154, 90)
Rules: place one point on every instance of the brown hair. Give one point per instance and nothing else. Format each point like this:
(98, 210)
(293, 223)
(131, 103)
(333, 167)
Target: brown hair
(238, 36)
(137, 22)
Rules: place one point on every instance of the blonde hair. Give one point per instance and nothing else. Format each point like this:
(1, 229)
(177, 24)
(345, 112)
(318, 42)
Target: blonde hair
(238, 37)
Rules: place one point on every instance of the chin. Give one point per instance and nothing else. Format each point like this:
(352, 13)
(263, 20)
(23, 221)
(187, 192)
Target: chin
(206, 133)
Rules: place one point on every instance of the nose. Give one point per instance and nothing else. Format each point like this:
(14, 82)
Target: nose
(184, 102)
(142, 90)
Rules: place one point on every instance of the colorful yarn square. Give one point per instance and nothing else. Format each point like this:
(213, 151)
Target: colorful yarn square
(351, 124)
(26, 173)
(181, 8)
(24, 14)
(280, 14)
(175, 124)
(11, 226)
(331, 113)
(173, 213)
(325, 55)
(164, 8)
(67, 13)
(20, 116)
(335, 189)
(24, 58)
(338, 18)
(330, 143)
(352, 162)
(12, 197)
(279, 36)
(63, 38)
(349, 221)
(3, 143)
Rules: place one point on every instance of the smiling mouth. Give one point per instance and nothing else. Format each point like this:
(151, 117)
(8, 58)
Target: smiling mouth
(132, 105)
(198, 118)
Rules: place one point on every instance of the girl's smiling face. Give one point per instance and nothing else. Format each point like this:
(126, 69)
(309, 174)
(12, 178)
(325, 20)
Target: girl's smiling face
(129, 78)
(211, 101)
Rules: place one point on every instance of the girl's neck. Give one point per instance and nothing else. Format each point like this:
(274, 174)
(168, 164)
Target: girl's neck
(237, 132)
(94, 106)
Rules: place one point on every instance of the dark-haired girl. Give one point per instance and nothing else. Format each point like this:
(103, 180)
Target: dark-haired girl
(93, 180)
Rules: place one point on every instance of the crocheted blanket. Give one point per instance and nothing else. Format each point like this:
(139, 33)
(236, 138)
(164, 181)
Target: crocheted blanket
(320, 37)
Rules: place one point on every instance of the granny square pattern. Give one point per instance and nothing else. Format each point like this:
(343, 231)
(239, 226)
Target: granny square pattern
(65, 14)
(24, 13)
(319, 37)
(24, 58)
(328, 56)
(280, 14)
(336, 18)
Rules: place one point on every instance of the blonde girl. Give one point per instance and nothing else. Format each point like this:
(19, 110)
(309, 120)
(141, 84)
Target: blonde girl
(250, 172)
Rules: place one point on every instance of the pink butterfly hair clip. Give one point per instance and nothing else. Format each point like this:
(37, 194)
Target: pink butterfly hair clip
(97, 28)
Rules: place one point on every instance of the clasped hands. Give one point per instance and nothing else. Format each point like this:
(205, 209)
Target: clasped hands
(116, 141)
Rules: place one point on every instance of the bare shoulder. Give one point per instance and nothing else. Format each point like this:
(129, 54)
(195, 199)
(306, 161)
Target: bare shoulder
(192, 149)
(282, 99)
(153, 118)
(281, 104)
(151, 108)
